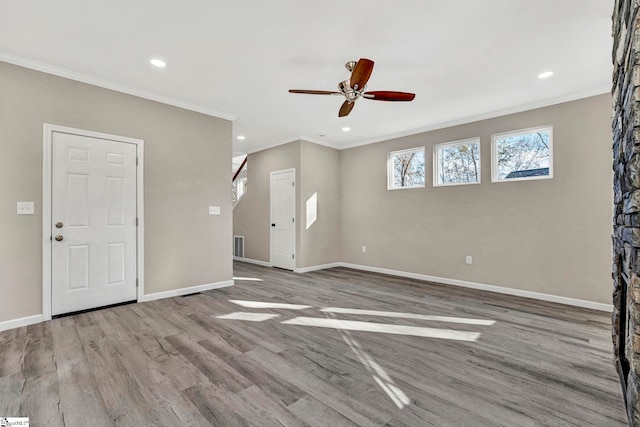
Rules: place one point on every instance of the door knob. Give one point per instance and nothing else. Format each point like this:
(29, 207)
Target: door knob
(273, 225)
(59, 224)
(59, 238)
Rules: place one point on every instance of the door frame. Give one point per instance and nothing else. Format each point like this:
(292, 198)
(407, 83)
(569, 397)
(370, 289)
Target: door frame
(47, 233)
(295, 216)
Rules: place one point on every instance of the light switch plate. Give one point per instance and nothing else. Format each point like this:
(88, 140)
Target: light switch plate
(26, 208)
(214, 210)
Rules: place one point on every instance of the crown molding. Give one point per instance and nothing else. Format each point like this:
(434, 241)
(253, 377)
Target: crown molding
(106, 84)
(490, 115)
(458, 122)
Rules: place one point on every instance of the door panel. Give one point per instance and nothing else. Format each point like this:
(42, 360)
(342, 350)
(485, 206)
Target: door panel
(283, 212)
(115, 200)
(94, 200)
(116, 263)
(78, 200)
(77, 267)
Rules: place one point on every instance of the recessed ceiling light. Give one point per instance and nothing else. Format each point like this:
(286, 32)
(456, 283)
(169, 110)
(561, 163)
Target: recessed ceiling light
(158, 63)
(545, 75)
(346, 129)
(240, 138)
(321, 134)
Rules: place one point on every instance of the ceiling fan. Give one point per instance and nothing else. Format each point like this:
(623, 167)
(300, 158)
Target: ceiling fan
(354, 87)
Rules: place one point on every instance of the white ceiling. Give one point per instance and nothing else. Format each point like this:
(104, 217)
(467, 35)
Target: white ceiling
(464, 59)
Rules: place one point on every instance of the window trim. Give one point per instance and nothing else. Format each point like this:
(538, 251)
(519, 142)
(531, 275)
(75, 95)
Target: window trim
(436, 168)
(390, 168)
(494, 157)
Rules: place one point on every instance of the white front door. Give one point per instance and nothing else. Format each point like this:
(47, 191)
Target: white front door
(283, 217)
(93, 222)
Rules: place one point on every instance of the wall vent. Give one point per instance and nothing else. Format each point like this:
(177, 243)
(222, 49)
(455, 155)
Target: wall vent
(238, 246)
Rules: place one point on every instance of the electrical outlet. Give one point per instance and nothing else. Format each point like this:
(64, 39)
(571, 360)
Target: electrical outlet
(214, 210)
(364, 249)
(469, 259)
(26, 208)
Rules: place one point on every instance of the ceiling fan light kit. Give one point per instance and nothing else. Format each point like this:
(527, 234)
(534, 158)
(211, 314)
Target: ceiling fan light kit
(355, 86)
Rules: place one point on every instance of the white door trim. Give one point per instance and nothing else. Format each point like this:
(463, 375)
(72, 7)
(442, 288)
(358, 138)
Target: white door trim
(295, 217)
(47, 169)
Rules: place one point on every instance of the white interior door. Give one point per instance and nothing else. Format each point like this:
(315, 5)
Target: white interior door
(283, 218)
(93, 215)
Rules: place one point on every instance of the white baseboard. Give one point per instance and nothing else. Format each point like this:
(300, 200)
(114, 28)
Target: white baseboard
(252, 261)
(186, 291)
(491, 288)
(317, 267)
(454, 282)
(18, 323)
(31, 320)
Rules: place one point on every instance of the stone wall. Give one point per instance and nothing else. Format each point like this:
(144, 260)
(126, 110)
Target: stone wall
(626, 166)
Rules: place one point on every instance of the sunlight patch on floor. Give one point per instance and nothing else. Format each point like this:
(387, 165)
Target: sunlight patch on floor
(463, 320)
(249, 317)
(260, 304)
(383, 328)
(380, 376)
(251, 279)
(377, 372)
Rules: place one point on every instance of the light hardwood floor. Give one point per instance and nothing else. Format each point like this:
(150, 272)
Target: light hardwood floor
(175, 362)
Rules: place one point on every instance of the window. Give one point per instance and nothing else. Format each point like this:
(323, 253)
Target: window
(456, 163)
(242, 187)
(522, 155)
(406, 169)
(238, 188)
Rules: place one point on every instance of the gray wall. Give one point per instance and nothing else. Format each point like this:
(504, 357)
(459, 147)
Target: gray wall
(551, 236)
(251, 217)
(319, 173)
(186, 169)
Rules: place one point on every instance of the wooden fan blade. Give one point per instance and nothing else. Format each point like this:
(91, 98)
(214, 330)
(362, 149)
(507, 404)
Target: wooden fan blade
(361, 73)
(314, 92)
(389, 95)
(346, 108)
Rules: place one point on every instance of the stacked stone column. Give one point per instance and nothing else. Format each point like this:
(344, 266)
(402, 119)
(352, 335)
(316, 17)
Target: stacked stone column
(626, 221)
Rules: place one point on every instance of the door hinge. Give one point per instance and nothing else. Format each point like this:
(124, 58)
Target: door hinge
(137, 160)
(136, 282)
(136, 221)
(293, 256)
(293, 220)
(293, 184)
